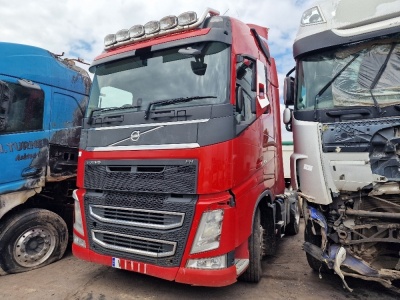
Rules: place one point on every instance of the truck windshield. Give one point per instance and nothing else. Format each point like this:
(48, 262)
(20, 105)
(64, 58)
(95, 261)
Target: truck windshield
(193, 71)
(366, 75)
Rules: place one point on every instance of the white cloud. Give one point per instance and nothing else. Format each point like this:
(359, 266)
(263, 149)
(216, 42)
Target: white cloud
(78, 27)
(60, 26)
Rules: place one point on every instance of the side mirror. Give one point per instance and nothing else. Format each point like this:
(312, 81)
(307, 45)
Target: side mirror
(287, 118)
(241, 70)
(198, 67)
(288, 91)
(5, 99)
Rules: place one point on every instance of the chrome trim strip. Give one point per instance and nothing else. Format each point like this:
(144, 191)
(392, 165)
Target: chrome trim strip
(134, 251)
(151, 125)
(137, 224)
(140, 134)
(146, 147)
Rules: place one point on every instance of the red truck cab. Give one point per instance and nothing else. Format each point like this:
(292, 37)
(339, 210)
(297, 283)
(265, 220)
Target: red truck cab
(180, 171)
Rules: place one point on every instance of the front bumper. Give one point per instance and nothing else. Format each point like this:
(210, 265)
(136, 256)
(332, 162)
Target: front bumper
(211, 278)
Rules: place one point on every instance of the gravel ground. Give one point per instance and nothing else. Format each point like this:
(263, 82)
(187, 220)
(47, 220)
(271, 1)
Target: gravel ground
(285, 276)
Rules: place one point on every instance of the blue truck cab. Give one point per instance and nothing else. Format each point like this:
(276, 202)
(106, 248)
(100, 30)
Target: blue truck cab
(42, 101)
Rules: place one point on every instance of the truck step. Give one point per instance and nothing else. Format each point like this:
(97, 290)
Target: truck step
(241, 265)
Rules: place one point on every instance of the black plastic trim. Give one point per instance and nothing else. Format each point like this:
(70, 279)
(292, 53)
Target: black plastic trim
(328, 39)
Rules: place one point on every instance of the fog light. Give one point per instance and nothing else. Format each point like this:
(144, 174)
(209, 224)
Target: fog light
(211, 263)
(78, 241)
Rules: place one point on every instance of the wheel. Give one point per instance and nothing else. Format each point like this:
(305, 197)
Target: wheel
(316, 240)
(294, 225)
(32, 239)
(253, 272)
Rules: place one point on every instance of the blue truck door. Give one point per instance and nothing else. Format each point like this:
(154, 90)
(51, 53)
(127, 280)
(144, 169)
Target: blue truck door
(24, 140)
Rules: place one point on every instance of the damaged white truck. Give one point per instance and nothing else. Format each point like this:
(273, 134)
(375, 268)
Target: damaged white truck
(343, 106)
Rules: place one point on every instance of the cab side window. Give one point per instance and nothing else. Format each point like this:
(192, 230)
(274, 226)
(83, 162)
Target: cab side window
(21, 108)
(245, 91)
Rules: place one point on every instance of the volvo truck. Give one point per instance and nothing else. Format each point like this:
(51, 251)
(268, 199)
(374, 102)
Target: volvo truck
(180, 171)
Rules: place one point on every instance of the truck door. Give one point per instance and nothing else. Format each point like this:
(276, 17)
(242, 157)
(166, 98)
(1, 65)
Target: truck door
(267, 123)
(23, 136)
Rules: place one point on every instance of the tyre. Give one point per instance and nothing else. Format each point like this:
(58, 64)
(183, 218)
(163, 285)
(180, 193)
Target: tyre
(316, 240)
(294, 225)
(254, 271)
(32, 239)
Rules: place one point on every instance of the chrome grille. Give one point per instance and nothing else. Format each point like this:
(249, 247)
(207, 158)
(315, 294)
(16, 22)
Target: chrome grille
(135, 226)
(144, 218)
(134, 244)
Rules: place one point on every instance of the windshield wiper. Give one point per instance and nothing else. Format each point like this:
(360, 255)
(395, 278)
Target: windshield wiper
(378, 76)
(329, 83)
(172, 101)
(126, 106)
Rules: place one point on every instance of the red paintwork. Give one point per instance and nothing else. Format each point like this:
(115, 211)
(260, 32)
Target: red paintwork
(216, 278)
(251, 164)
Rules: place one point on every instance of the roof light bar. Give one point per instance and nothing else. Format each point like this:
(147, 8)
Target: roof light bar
(166, 25)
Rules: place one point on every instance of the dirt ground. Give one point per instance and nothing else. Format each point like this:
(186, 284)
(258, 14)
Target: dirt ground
(285, 276)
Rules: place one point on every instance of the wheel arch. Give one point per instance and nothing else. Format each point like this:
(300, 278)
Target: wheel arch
(264, 202)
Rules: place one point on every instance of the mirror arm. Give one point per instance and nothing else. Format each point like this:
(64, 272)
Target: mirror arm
(290, 72)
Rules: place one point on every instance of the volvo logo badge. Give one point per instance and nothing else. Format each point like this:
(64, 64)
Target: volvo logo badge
(135, 135)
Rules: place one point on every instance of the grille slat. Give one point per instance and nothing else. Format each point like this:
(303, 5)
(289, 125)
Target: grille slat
(137, 217)
(134, 244)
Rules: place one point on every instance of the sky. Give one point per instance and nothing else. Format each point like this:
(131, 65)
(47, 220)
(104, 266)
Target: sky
(78, 27)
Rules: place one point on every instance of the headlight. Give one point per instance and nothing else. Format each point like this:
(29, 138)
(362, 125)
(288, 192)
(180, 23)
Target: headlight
(211, 263)
(78, 225)
(209, 232)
